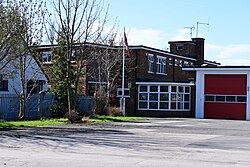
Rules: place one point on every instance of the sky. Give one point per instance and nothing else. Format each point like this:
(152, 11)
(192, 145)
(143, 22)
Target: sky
(155, 22)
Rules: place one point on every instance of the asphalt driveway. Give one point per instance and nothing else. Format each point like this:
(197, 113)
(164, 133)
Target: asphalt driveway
(151, 142)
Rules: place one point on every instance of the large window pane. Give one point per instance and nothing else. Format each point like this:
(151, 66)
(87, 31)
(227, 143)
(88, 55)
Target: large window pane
(187, 97)
(173, 89)
(180, 88)
(153, 88)
(153, 96)
(143, 88)
(173, 97)
(187, 89)
(164, 88)
(153, 105)
(163, 105)
(164, 97)
(143, 96)
(186, 106)
(173, 105)
(180, 105)
(180, 97)
(143, 105)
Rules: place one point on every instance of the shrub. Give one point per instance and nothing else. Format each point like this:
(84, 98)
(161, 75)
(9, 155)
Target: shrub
(114, 111)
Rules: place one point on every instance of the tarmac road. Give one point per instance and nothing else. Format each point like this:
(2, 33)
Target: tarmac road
(152, 142)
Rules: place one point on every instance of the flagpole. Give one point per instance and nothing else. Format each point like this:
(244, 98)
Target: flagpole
(123, 76)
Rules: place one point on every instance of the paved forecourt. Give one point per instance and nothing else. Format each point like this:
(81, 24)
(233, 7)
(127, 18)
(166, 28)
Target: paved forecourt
(151, 142)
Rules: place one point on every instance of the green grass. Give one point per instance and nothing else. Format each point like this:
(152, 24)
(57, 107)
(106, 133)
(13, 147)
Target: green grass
(12, 124)
(113, 119)
(35, 123)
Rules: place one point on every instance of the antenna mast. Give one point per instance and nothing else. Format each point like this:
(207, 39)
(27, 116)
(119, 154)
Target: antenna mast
(197, 28)
(191, 31)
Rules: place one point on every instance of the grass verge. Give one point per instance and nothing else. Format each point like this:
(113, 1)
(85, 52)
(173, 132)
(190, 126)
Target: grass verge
(35, 123)
(113, 119)
(12, 124)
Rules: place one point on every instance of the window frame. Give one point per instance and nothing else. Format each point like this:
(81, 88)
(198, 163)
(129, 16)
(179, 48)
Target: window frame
(150, 63)
(120, 90)
(161, 65)
(4, 85)
(48, 61)
(181, 102)
(217, 98)
(170, 61)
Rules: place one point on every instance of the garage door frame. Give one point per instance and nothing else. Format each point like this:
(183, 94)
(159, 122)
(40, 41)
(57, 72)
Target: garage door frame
(200, 86)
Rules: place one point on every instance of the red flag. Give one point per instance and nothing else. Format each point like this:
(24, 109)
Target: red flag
(126, 46)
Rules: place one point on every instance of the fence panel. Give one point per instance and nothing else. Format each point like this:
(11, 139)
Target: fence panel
(37, 106)
(86, 105)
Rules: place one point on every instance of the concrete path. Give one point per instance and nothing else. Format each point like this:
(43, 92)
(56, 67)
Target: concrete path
(152, 142)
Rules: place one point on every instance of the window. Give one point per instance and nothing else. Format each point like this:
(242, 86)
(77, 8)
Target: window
(150, 63)
(170, 61)
(164, 97)
(73, 56)
(176, 62)
(161, 65)
(186, 64)
(180, 63)
(34, 87)
(179, 47)
(47, 57)
(226, 98)
(126, 92)
(4, 85)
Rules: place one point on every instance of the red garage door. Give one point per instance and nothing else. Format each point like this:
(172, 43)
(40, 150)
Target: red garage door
(225, 96)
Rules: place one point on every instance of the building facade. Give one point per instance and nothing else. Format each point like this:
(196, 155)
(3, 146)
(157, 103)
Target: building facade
(155, 82)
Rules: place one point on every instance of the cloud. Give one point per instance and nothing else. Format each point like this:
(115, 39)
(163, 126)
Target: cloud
(229, 54)
(148, 37)
(180, 35)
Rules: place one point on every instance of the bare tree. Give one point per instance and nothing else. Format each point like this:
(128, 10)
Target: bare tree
(27, 22)
(81, 22)
(8, 30)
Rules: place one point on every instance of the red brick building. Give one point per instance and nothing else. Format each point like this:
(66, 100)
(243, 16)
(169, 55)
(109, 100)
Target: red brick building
(156, 85)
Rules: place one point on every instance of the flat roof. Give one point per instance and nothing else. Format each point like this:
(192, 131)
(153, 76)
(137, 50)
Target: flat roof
(218, 68)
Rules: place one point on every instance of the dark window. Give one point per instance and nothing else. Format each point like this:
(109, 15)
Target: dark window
(186, 98)
(164, 97)
(187, 89)
(164, 88)
(209, 98)
(163, 105)
(153, 105)
(143, 105)
(173, 88)
(153, 88)
(180, 89)
(230, 98)
(126, 93)
(241, 98)
(143, 89)
(4, 85)
(220, 98)
(143, 96)
(153, 96)
(180, 47)
(34, 87)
